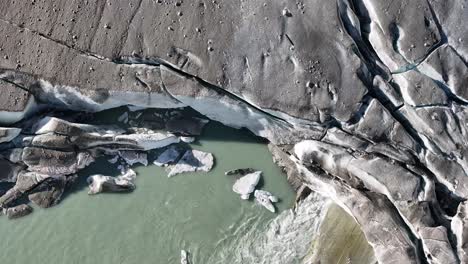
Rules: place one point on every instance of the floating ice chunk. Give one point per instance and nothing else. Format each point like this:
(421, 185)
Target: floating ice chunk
(193, 160)
(241, 172)
(170, 155)
(184, 257)
(187, 139)
(246, 185)
(114, 159)
(265, 199)
(100, 183)
(18, 211)
(133, 157)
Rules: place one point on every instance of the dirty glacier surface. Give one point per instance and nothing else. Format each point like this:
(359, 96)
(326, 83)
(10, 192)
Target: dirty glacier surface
(363, 102)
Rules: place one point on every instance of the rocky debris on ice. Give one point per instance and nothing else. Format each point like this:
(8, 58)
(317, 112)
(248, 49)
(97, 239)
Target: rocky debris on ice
(241, 172)
(49, 192)
(99, 183)
(17, 211)
(169, 156)
(266, 199)
(191, 161)
(42, 189)
(55, 162)
(7, 134)
(246, 185)
(25, 182)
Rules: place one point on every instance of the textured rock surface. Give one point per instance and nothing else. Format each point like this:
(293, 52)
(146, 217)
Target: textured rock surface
(49, 192)
(363, 101)
(18, 211)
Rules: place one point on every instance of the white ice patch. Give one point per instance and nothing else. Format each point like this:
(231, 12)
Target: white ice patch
(246, 185)
(99, 183)
(74, 99)
(266, 199)
(150, 141)
(191, 161)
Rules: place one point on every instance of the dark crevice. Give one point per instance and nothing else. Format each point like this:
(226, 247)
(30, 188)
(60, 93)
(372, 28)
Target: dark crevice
(360, 113)
(434, 48)
(451, 96)
(362, 44)
(289, 39)
(369, 55)
(59, 42)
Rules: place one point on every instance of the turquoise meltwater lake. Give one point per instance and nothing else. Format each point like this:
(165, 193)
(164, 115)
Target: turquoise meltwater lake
(197, 212)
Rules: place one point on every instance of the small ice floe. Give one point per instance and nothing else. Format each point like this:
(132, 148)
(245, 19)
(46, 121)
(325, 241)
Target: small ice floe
(193, 160)
(123, 118)
(99, 183)
(114, 159)
(169, 156)
(132, 157)
(187, 139)
(241, 172)
(184, 257)
(266, 199)
(246, 185)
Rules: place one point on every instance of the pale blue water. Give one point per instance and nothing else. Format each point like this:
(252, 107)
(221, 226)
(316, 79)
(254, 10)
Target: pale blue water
(197, 212)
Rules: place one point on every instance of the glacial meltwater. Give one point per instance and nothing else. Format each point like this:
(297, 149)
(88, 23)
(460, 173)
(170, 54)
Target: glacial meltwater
(197, 212)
